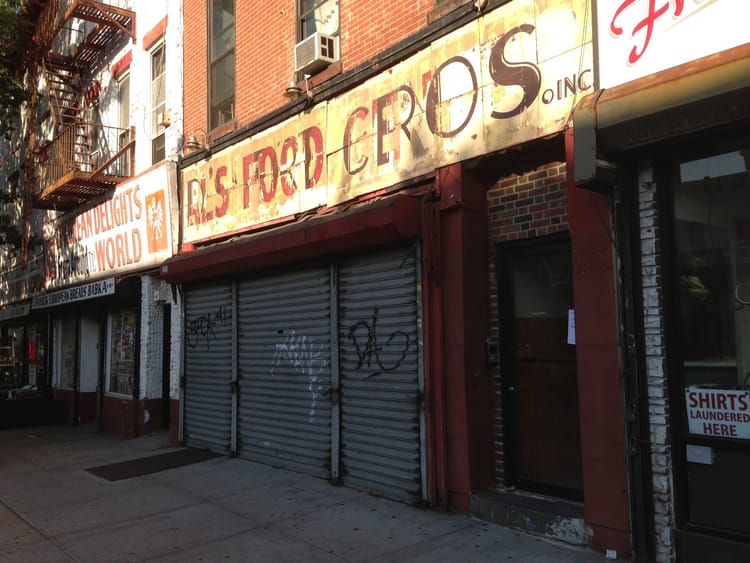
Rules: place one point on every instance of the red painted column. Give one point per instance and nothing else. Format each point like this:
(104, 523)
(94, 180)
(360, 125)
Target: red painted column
(464, 293)
(434, 381)
(597, 352)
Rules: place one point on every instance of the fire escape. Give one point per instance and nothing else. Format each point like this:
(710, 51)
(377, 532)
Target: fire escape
(83, 159)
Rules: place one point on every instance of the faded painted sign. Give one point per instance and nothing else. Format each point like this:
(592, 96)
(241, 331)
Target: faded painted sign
(15, 311)
(636, 38)
(130, 230)
(22, 281)
(509, 77)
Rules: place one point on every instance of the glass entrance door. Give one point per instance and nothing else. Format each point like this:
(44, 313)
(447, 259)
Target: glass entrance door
(711, 208)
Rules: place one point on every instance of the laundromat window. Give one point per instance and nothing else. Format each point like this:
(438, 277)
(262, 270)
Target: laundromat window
(712, 236)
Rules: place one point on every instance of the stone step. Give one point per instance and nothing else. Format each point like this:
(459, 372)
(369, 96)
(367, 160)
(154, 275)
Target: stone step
(548, 517)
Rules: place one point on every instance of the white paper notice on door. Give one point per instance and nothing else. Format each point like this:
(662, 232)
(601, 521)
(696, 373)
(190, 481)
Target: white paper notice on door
(571, 326)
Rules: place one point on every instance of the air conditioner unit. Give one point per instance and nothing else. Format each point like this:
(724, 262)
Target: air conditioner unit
(316, 52)
(163, 119)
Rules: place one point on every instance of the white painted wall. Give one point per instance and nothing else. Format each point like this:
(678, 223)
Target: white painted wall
(148, 14)
(656, 366)
(152, 337)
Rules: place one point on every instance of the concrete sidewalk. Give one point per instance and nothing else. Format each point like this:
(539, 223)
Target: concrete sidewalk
(223, 509)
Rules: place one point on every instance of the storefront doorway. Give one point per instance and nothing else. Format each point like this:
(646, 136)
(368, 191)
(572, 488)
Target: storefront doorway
(711, 387)
(540, 390)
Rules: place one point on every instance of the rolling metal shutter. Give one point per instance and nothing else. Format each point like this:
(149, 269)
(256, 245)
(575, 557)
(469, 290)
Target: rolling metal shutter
(209, 355)
(380, 371)
(285, 371)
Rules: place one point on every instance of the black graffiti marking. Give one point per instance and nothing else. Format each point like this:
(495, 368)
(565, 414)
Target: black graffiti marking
(364, 336)
(202, 328)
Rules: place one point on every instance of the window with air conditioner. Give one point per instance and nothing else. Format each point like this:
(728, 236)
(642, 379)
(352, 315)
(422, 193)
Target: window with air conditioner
(317, 36)
(158, 102)
(221, 84)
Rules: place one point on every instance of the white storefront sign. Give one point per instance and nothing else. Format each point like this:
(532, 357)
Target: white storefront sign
(718, 412)
(639, 37)
(72, 294)
(128, 231)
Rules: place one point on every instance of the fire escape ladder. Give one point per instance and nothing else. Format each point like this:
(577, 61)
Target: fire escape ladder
(64, 90)
(64, 87)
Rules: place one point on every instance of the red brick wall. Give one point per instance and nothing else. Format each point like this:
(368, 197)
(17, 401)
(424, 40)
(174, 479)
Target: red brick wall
(367, 27)
(520, 207)
(264, 52)
(195, 94)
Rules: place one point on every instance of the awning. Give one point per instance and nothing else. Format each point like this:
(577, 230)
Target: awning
(705, 93)
(364, 226)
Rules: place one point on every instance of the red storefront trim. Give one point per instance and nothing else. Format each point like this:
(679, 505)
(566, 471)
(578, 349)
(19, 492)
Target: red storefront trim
(366, 226)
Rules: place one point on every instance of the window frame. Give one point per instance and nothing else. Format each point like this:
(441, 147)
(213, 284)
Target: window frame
(667, 174)
(158, 132)
(214, 64)
(117, 313)
(123, 120)
(302, 12)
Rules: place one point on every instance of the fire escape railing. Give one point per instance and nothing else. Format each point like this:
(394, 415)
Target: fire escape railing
(85, 152)
(83, 159)
(57, 12)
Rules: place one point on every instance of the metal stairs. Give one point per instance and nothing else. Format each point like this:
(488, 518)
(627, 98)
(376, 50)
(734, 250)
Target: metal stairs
(64, 88)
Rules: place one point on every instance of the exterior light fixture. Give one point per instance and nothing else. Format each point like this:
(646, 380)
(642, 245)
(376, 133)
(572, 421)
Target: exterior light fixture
(194, 143)
(294, 92)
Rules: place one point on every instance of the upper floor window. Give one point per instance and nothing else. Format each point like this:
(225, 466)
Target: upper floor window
(158, 103)
(221, 63)
(123, 99)
(317, 16)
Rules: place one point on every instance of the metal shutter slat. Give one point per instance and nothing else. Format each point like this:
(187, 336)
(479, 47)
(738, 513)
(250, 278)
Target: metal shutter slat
(380, 377)
(208, 366)
(284, 366)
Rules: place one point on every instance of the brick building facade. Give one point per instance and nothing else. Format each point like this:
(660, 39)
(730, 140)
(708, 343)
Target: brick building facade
(391, 163)
(384, 274)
